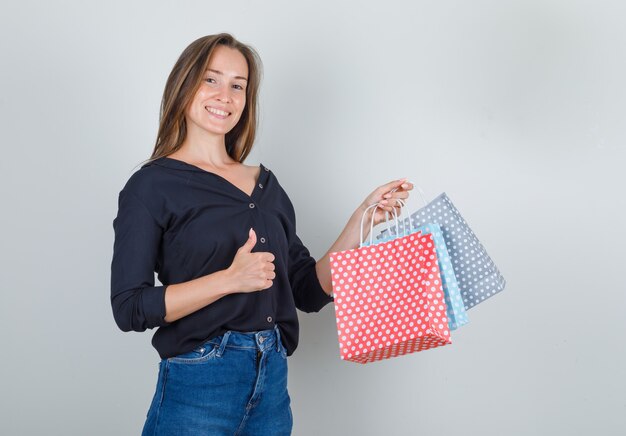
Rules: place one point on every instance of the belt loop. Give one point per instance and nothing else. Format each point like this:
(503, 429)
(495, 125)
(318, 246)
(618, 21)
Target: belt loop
(220, 350)
(277, 337)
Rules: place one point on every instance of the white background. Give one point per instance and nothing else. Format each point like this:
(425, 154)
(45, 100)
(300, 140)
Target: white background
(514, 108)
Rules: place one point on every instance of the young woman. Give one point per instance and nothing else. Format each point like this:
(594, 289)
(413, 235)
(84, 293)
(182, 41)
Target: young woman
(222, 237)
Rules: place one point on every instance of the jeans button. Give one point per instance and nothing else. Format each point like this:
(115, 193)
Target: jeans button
(261, 339)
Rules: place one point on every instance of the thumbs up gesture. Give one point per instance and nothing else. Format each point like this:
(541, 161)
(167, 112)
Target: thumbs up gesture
(250, 271)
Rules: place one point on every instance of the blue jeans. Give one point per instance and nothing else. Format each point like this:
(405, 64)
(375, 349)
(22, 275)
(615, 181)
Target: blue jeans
(234, 384)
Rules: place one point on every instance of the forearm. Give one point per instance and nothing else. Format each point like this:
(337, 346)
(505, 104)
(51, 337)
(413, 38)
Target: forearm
(385, 197)
(348, 239)
(184, 298)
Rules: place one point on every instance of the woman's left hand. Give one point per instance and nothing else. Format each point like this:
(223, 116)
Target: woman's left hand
(386, 196)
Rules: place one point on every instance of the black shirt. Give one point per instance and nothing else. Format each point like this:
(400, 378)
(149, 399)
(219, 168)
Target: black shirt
(183, 222)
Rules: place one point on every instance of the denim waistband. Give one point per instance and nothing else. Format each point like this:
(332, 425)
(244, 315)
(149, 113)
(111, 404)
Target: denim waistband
(261, 340)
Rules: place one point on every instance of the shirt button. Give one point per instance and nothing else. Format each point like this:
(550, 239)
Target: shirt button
(261, 185)
(267, 169)
(251, 205)
(269, 319)
(263, 240)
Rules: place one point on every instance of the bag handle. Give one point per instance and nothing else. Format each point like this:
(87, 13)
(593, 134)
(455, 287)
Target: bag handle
(419, 191)
(372, 224)
(403, 205)
(422, 197)
(395, 214)
(406, 229)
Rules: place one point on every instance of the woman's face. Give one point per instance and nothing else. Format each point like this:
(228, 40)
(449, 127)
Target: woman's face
(221, 98)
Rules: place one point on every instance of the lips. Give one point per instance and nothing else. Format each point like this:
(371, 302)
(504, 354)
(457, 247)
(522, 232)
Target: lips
(217, 112)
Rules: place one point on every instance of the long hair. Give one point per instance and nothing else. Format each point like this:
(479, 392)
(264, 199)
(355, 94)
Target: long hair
(184, 81)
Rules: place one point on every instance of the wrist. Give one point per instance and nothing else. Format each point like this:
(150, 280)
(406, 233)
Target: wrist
(225, 282)
(361, 209)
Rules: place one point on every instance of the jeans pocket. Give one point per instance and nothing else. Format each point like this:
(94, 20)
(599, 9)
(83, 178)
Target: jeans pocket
(283, 350)
(199, 354)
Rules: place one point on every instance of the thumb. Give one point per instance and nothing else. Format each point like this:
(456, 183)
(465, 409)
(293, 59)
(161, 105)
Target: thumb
(250, 243)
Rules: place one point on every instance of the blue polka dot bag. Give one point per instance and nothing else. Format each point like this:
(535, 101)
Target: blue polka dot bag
(477, 276)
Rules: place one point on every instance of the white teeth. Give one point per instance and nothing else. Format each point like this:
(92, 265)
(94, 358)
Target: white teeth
(217, 111)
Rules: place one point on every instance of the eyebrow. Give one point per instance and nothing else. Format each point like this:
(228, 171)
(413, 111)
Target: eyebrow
(219, 72)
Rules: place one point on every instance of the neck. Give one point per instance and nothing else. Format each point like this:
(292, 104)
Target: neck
(202, 146)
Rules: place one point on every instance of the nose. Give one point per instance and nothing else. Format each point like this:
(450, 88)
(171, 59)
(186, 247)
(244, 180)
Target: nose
(224, 94)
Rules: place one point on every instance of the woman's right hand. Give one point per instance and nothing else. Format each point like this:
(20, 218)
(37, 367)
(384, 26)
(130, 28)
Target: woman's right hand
(250, 271)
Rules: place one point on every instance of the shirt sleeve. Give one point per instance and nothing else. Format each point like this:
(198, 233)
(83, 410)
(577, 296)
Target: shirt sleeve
(137, 304)
(309, 296)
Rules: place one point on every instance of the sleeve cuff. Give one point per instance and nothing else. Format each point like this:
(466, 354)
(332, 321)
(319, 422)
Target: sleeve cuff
(154, 307)
(318, 295)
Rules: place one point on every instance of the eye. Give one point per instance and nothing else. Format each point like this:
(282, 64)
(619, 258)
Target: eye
(209, 79)
(238, 87)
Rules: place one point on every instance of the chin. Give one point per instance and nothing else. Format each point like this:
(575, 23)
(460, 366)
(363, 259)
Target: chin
(225, 131)
(218, 130)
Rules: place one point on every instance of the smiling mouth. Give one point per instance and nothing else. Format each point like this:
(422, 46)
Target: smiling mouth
(217, 112)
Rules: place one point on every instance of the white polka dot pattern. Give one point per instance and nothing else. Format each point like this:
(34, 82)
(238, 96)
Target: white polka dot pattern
(457, 316)
(478, 277)
(389, 299)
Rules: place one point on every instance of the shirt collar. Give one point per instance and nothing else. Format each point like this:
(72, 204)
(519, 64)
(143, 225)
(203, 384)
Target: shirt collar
(184, 166)
(174, 164)
(261, 183)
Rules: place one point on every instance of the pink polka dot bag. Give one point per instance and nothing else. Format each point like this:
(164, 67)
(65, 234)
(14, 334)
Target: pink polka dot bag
(457, 314)
(389, 299)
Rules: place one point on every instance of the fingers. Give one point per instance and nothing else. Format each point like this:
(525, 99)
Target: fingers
(398, 194)
(400, 191)
(390, 200)
(395, 202)
(391, 185)
(395, 189)
(391, 208)
(250, 243)
(268, 269)
(269, 275)
(269, 266)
